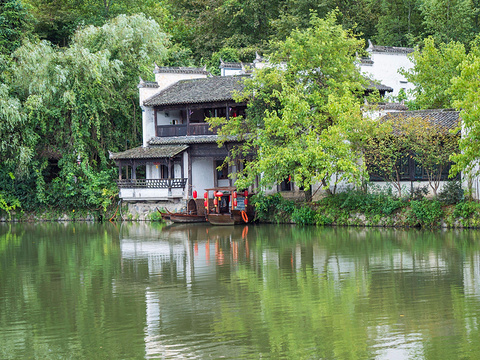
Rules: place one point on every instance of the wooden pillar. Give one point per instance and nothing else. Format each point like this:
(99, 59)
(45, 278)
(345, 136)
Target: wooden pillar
(188, 121)
(189, 157)
(134, 170)
(170, 172)
(182, 170)
(169, 176)
(155, 121)
(120, 170)
(227, 112)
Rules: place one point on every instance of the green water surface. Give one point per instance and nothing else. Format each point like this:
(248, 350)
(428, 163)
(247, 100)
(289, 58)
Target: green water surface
(149, 291)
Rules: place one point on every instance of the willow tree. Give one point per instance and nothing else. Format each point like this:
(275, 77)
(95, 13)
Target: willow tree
(81, 101)
(303, 115)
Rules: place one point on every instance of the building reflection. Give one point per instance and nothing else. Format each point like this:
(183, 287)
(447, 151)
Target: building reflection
(192, 272)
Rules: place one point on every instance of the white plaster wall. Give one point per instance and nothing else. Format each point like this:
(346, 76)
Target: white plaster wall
(385, 69)
(166, 79)
(168, 117)
(177, 171)
(148, 124)
(230, 72)
(132, 194)
(202, 174)
(145, 93)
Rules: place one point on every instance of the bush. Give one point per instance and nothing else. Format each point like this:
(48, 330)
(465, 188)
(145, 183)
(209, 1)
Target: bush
(451, 193)
(419, 193)
(358, 201)
(465, 209)
(304, 216)
(272, 207)
(426, 212)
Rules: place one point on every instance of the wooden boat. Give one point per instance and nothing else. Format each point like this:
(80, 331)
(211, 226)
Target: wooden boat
(186, 218)
(191, 216)
(222, 210)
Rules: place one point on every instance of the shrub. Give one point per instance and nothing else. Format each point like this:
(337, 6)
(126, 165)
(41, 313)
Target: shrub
(322, 219)
(451, 193)
(358, 201)
(419, 193)
(155, 216)
(304, 216)
(272, 207)
(426, 212)
(465, 209)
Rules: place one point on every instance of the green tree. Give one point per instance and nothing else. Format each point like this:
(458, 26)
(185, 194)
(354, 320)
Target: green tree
(399, 22)
(14, 25)
(449, 20)
(465, 91)
(303, 117)
(78, 102)
(432, 145)
(433, 68)
(17, 136)
(383, 153)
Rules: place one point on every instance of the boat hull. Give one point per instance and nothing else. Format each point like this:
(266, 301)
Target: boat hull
(224, 219)
(184, 218)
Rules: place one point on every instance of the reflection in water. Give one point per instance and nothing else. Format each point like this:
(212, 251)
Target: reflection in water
(196, 291)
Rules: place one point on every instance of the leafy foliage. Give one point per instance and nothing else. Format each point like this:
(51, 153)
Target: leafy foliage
(433, 68)
(74, 104)
(304, 119)
(426, 212)
(451, 193)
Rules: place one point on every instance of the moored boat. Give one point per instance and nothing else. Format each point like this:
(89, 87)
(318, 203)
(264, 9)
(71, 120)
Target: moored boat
(227, 207)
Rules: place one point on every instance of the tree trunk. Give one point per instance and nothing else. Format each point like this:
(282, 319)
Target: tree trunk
(327, 189)
(308, 193)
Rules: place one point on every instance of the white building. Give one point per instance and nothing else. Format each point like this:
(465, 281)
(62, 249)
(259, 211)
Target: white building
(383, 65)
(179, 154)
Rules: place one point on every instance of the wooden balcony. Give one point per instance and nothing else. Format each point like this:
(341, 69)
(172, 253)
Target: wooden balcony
(183, 130)
(152, 183)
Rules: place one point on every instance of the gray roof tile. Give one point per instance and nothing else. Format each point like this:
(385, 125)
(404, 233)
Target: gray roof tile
(151, 152)
(197, 139)
(443, 119)
(194, 91)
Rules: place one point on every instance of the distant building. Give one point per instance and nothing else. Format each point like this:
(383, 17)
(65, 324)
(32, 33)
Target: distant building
(383, 65)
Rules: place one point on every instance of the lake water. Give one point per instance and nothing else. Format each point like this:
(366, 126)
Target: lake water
(148, 291)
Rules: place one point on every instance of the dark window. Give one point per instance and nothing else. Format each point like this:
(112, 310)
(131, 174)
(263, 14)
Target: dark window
(410, 170)
(286, 185)
(223, 172)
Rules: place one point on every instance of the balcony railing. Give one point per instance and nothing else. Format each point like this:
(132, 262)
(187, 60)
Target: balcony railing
(152, 183)
(182, 130)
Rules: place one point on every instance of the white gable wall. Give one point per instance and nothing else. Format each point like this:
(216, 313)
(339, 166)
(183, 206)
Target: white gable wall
(385, 69)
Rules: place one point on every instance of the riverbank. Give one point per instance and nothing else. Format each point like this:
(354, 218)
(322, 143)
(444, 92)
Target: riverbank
(378, 210)
(346, 209)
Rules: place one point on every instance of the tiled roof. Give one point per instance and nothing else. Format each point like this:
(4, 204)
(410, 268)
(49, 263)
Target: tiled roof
(235, 65)
(388, 49)
(180, 70)
(444, 119)
(379, 86)
(392, 106)
(197, 139)
(194, 91)
(152, 152)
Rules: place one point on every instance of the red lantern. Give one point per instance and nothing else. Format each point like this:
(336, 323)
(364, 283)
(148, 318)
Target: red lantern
(234, 194)
(205, 195)
(215, 201)
(194, 194)
(218, 193)
(205, 203)
(245, 202)
(245, 193)
(234, 202)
